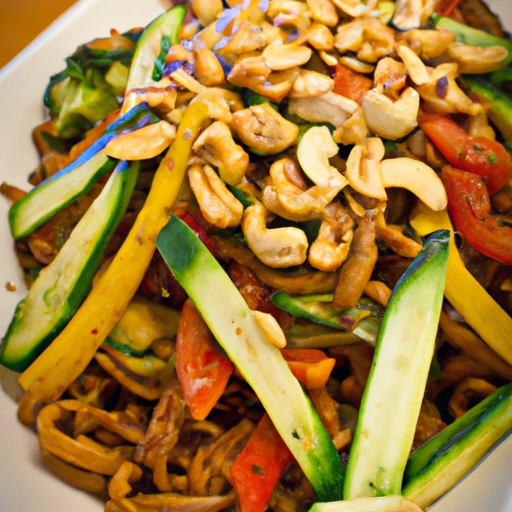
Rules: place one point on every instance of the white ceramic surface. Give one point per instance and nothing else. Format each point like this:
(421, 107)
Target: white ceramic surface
(24, 485)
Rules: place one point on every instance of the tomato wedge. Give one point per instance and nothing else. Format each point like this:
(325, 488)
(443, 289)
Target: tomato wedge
(478, 155)
(203, 371)
(469, 206)
(257, 468)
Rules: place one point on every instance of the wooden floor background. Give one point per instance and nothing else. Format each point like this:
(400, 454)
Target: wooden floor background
(22, 20)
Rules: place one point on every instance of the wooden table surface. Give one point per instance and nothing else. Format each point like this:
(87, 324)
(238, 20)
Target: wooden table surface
(22, 20)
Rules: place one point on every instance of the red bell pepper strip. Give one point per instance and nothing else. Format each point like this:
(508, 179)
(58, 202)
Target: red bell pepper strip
(203, 371)
(478, 155)
(257, 468)
(446, 7)
(469, 207)
(350, 84)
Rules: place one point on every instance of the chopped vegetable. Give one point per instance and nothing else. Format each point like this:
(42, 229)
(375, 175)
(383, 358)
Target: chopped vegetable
(100, 311)
(469, 35)
(478, 155)
(61, 287)
(319, 309)
(499, 104)
(203, 371)
(470, 210)
(228, 316)
(449, 456)
(398, 377)
(259, 465)
(464, 292)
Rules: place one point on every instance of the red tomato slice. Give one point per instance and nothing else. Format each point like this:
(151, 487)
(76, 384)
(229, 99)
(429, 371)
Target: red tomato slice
(203, 371)
(478, 155)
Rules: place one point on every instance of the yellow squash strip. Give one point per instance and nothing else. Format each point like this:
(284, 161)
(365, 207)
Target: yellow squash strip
(69, 354)
(464, 292)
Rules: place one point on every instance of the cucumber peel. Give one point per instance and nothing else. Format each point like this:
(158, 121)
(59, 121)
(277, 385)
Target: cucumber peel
(61, 287)
(261, 363)
(396, 385)
(74, 180)
(362, 320)
(443, 460)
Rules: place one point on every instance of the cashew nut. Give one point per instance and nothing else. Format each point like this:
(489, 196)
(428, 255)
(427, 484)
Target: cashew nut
(263, 129)
(323, 11)
(310, 84)
(417, 177)
(217, 147)
(279, 57)
(391, 119)
(318, 36)
(247, 38)
(390, 77)
(270, 327)
(146, 142)
(410, 14)
(356, 65)
(313, 152)
(294, 200)
(353, 131)
(218, 205)
(331, 247)
(363, 170)
(417, 70)
(221, 103)
(368, 37)
(277, 248)
(181, 77)
(253, 73)
(477, 59)
(353, 8)
(329, 108)
(208, 69)
(206, 10)
(443, 95)
(428, 44)
(289, 13)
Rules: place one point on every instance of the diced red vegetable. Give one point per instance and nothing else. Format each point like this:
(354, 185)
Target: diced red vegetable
(478, 155)
(350, 84)
(203, 371)
(446, 7)
(258, 466)
(470, 210)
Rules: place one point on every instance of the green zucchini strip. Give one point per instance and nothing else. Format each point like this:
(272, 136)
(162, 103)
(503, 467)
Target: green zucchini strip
(396, 385)
(261, 363)
(459, 448)
(61, 287)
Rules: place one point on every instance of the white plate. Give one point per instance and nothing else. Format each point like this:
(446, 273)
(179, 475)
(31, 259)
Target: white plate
(24, 485)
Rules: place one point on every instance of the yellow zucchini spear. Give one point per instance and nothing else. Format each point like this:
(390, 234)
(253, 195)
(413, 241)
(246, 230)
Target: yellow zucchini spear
(69, 354)
(464, 292)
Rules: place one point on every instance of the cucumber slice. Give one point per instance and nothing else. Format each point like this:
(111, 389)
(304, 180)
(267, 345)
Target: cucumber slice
(382, 504)
(362, 320)
(61, 287)
(150, 54)
(396, 385)
(142, 323)
(74, 180)
(262, 365)
(461, 450)
(440, 443)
